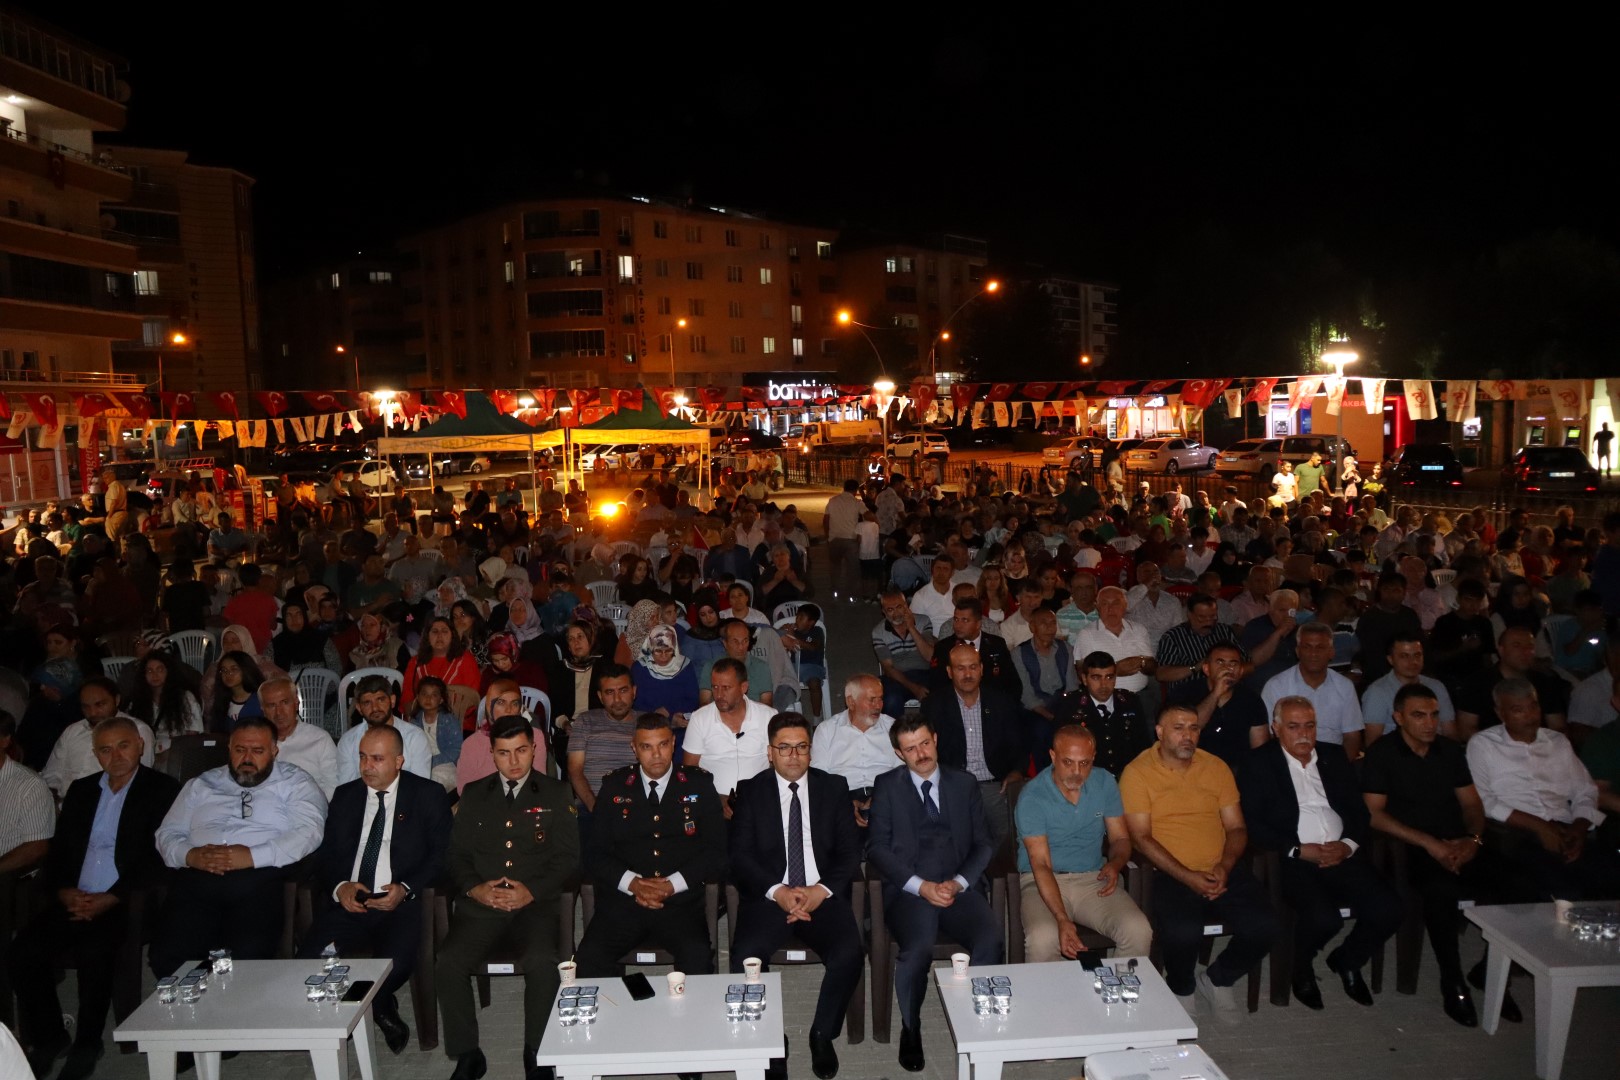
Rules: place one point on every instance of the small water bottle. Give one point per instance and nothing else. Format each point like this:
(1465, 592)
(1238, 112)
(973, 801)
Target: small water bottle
(168, 990)
(329, 957)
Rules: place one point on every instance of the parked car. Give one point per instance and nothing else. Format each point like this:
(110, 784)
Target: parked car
(748, 439)
(919, 444)
(968, 437)
(1552, 470)
(374, 475)
(1427, 465)
(1254, 456)
(1298, 448)
(1065, 451)
(470, 462)
(1171, 455)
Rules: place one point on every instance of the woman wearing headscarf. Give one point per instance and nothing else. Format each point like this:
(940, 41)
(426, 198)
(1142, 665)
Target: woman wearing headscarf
(300, 644)
(599, 567)
(573, 674)
(643, 617)
(703, 645)
(506, 661)
(445, 596)
(523, 623)
(666, 682)
(378, 645)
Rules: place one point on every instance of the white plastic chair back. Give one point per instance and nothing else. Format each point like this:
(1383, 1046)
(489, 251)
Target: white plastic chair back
(1442, 578)
(603, 593)
(614, 612)
(194, 647)
(315, 685)
(626, 547)
(345, 705)
(538, 704)
(786, 611)
(826, 680)
(113, 666)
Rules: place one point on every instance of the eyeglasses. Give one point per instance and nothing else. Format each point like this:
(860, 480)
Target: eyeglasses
(247, 805)
(797, 749)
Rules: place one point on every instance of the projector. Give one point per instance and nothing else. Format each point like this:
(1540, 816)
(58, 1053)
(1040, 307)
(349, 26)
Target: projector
(1184, 1062)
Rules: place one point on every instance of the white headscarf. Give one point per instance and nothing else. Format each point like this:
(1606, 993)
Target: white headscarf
(530, 627)
(663, 637)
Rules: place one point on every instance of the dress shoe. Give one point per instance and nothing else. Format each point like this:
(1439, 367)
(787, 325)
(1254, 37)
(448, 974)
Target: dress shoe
(1354, 985)
(44, 1055)
(1510, 1008)
(531, 1071)
(1459, 1005)
(1306, 992)
(81, 1061)
(823, 1058)
(394, 1030)
(911, 1049)
(470, 1066)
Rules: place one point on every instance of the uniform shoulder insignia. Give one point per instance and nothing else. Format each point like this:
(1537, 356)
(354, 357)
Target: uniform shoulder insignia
(572, 809)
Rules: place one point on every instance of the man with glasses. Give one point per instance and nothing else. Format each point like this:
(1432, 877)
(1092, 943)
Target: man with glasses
(230, 835)
(794, 853)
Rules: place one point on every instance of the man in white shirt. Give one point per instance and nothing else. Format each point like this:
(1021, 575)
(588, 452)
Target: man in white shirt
(1405, 668)
(855, 744)
(374, 701)
(1120, 638)
(1015, 627)
(843, 552)
(1589, 701)
(1151, 608)
(1338, 713)
(963, 569)
(305, 745)
(74, 755)
(727, 736)
(933, 601)
(1543, 800)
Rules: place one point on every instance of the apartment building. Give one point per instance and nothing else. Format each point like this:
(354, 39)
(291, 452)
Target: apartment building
(357, 305)
(1087, 313)
(908, 290)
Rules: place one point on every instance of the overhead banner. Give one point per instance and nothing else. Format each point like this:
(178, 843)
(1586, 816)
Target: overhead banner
(1261, 392)
(1460, 398)
(1335, 393)
(1372, 395)
(1420, 400)
(1302, 391)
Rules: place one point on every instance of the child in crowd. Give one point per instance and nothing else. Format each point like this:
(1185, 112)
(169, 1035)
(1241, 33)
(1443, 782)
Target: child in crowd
(871, 554)
(809, 641)
(431, 713)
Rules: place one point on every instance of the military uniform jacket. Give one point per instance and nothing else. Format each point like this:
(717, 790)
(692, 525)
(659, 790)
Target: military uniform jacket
(684, 833)
(534, 839)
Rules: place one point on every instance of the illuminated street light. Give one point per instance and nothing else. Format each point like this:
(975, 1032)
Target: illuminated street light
(1339, 353)
(991, 288)
(680, 324)
(1085, 359)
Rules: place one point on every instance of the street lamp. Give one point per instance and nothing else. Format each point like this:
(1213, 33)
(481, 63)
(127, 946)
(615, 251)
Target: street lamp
(680, 324)
(885, 387)
(1339, 353)
(991, 288)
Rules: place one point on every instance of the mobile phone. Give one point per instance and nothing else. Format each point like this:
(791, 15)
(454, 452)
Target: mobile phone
(1091, 959)
(358, 990)
(640, 989)
(361, 896)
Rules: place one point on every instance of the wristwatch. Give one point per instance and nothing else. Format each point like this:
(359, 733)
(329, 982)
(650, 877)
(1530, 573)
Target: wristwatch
(1293, 852)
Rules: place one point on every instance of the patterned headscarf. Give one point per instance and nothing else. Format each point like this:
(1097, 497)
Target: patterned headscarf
(643, 617)
(663, 637)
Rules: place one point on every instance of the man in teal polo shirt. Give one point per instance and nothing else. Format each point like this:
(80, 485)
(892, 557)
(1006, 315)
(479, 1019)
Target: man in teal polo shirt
(1066, 817)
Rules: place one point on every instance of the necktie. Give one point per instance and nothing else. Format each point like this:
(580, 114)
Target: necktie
(511, 791)
(1102, 711)
(929, 807)
(795, 838)
(374, 839)
(652, 792)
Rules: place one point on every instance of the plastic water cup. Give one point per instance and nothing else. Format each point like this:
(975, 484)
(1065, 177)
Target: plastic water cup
(751, 969)
(677, 983)
(190, 992)
(734, 1007)
(959, 964)
(168, 990)
(220, 961)
(566, 972)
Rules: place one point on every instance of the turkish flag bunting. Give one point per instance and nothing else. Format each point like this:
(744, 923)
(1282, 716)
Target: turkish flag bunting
(1201, 393)
(666, 399)
(505, 401)
(410, 404)
(712, 396)
(753, 395)
(225, 402)
(140, 406)
(605, 398)
(93, 404)
(323, 400)
(1000, 391)
(1261, 392)
(1069, 389)
(177, 403)
(273, 402)
(1113, 389)
(1039, 391)
(1158, 386)
(962, 395)
(568, 418)
(923, 394)
(634, 400)
(591, 414)
(545, 400)
(5, 406)
(42, 406)
(453, 401)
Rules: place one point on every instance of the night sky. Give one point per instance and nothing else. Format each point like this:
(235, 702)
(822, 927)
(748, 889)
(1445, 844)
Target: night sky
(1091, 144)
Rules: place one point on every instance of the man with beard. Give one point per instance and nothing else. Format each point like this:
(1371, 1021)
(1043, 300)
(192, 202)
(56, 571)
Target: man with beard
(230, 836)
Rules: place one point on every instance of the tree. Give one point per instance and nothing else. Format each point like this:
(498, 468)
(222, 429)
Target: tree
(1016, 332)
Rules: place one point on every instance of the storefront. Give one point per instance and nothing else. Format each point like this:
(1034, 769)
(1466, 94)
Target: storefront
(774, 402)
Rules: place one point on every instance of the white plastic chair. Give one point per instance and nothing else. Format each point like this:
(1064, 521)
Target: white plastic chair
(315, 685)
(113, 666)
(194, 647)
(786, 610)
(826, 680)
(626, 547)
(615, 612)
(1442, 578)
(533, 698)
(345, 706)
(603, 593)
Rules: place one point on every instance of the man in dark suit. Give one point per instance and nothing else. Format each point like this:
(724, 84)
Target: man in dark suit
(1115, 717)
(514, 847)
(982, 731)
(1302, 800)
(385, 838)
(931, 844)
(657, 837)
(795, 849)
(967, 626)
(102, 854)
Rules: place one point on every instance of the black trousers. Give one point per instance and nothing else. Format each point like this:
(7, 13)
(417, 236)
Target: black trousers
(1180, 915)
(1316, 895)
(918, 925)
(475, 931)
(762, 929)
(395, 935)
(93, 945)
(1537, 874)
(619, 924)
(241, 911)
(1440, 890)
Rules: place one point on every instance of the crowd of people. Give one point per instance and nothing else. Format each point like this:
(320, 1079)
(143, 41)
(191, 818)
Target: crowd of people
(533, 709)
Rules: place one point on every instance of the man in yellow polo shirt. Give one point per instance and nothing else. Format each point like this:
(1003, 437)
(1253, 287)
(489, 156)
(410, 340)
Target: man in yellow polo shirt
(1182, 810)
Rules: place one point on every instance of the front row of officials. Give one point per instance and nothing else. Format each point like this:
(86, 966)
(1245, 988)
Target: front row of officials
(660, 833)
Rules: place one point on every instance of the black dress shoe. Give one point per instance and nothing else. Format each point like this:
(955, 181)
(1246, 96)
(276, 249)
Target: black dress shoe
(470, 1066)
(1510, 1008)
(1459, 1005)
(394, 1030)
(81, 1061)
(1354, 985)
(1306, 992)
(911, 1049)
(823, 1058)
(44, 1055)
(531, 1071)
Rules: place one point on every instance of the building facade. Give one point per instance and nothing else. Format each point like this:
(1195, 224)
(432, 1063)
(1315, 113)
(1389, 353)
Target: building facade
(357, 305)
(905, 293)
(1087, 313)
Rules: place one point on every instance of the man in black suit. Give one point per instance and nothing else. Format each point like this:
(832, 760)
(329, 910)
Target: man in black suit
(967, 626)
(931, 844)
(385, 838)
(103, 852)
(794, 848)
(1115, 717)
(981, 730)
(657, 838)
(1302, 800)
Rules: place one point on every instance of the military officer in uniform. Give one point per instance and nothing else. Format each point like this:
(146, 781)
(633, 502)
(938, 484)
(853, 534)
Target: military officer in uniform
(513, 849)
(657, 837)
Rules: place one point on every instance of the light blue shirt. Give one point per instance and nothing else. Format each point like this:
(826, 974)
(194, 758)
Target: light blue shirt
(99, 873)
(418, 755)
(287, 819)
(1378, 700)
(914, 885)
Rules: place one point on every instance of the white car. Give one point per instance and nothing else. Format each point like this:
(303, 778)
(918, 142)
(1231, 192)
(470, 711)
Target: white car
(1170, 456)
(375, 475)
(1253, 456)
(919, 444)
(1087, 448)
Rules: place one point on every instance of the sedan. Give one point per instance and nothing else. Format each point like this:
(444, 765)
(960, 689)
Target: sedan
(1086, 448)
(1254, 456)
(1434, 465)
(1551, 469)
(1170, 456)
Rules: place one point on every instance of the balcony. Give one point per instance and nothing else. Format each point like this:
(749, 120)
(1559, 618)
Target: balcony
(44, 379)
(29, 153)
(64, 241)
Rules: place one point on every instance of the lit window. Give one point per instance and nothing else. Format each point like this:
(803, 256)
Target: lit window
(798, 346)
(380, 277)
(627, 268)
(764, 275)
(146, 283)
(823, 250)
(768, 346)
(510, 272)
(796, 313)
(337, 280)
(154, 332)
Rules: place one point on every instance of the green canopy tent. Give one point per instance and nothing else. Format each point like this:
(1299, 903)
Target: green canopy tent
(649, 424)
(483, 428)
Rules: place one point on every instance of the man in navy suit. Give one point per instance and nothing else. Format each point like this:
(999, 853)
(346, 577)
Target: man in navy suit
(795, 849)
(386, 835)
(980, 730)
(931, 844)
(1302, 800)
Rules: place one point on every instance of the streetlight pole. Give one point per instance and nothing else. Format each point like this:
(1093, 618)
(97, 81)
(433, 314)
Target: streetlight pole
(340, 350)
(1339, 354)
(679, 324)
(990, 287)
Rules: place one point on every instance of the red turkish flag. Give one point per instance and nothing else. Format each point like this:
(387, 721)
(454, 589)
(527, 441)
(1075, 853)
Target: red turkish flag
(42, 406)
(177, 403)
(1069, 389)
(140, 406)
(273, 402)
(923, 394)
(712, 396)
(1000, 391)
(697, 542)
(5, 406)
(962, 395)
(1039, 391)
(1113, 389)
(1201, 393)
(1261, 392)
(666, 399)
(591, 414)
(453, 401)
(634, 400)
(753, 395)
(568, 418)
(322, 400)
(505, 401)
(225, 402)
(1158, 386)
(94, 404)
